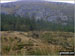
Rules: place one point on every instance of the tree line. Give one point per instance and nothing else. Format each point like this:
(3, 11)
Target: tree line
(17, 23)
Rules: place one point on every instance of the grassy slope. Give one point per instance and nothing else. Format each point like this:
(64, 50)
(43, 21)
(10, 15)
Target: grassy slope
(36, 43)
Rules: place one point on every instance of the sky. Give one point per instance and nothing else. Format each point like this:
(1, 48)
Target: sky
(66, 1)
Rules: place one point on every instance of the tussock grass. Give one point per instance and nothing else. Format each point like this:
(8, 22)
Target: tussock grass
(36, 42)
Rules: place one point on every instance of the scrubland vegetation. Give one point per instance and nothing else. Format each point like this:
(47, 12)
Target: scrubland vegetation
(36, 42)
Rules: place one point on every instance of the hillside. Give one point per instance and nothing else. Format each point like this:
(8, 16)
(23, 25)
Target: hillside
(36, 28)
(48, 11)
(36, 42)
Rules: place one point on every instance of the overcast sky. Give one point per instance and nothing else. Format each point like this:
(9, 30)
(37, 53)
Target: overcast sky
(67, 1)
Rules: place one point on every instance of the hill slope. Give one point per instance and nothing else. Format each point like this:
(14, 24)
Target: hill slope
(40, 10)
(36, 43)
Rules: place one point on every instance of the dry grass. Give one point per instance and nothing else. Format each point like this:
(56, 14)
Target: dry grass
(36, 43)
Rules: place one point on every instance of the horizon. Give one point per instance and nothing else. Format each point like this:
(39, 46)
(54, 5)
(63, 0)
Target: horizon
(63, 1)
